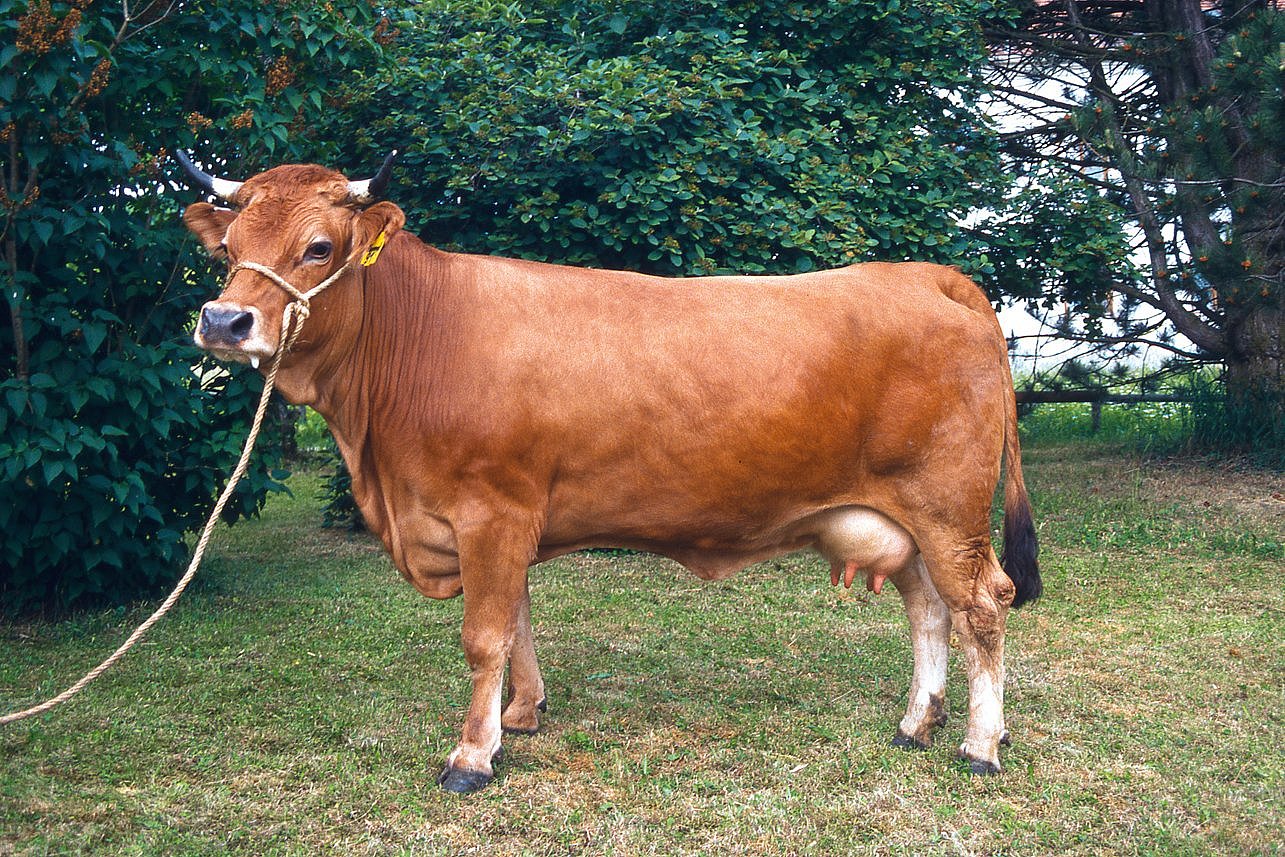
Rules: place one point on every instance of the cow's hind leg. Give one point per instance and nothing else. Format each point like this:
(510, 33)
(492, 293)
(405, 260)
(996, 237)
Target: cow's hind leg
(978, 593)
(930, 641)
(526, 686)
(493, 563)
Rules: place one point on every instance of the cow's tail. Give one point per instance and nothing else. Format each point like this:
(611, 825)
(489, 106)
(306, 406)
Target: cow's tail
(1021, 549)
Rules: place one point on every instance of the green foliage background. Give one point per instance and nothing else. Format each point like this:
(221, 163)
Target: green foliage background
(687, 136)
(114, 433)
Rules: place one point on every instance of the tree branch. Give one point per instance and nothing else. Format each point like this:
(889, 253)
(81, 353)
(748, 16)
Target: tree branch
(1105, 340)
(1194, 328)
(1042, 99)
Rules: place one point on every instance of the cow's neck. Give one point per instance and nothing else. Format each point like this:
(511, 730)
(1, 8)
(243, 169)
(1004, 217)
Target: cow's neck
(392, 362)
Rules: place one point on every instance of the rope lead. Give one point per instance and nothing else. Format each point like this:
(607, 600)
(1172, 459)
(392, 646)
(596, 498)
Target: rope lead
(292, 319)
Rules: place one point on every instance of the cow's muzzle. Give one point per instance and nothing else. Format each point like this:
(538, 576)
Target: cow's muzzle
(232, 332)
(223, 325)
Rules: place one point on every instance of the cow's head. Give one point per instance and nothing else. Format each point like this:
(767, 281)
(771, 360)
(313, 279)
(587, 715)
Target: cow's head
(305, 223)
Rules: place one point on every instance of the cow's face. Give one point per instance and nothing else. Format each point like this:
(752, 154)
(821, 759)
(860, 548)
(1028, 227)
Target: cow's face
(304, 223)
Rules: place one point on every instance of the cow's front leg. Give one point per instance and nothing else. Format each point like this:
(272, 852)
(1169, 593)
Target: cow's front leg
(493, 564)
(526, 686)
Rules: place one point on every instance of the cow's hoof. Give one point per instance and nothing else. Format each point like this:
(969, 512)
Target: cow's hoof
(980, 767)
(1005, 740)
(909, 742)
(461, 781)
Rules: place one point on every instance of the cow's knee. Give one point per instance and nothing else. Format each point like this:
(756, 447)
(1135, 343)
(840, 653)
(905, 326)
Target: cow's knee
(984, 619)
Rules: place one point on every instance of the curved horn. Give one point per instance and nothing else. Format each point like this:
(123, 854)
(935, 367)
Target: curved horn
(371, 189)
(221, 188)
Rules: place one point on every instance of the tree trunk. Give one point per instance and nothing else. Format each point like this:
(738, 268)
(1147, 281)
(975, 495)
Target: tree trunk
(1255, 382)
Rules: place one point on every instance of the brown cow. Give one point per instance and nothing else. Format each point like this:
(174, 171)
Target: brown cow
(495, 413)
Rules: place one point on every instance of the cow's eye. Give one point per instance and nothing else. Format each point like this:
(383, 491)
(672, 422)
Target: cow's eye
(317, 251)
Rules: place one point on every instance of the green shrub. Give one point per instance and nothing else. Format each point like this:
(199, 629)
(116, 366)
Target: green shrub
(312, 437)
(695, 137)
(105, 473)
(340, 507)
(114, 432)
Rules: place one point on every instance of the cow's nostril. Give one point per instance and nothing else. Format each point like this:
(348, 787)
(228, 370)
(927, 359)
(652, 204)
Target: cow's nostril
(241, 325)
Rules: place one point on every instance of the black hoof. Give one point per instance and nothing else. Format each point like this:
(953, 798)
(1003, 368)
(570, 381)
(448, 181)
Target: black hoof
(981, 767)
(908, 742)
(1004, 740)
(461, 781)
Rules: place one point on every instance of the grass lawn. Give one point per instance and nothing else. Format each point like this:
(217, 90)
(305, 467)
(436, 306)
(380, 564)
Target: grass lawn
(302, 698)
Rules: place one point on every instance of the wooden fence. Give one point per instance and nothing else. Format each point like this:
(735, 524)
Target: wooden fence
(1096, 398)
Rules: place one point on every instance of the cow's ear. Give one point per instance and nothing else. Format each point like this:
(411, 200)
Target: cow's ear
(209, 224)
(382, 217)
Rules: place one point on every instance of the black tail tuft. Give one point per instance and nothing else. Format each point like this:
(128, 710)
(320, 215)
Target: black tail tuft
(1021, 551)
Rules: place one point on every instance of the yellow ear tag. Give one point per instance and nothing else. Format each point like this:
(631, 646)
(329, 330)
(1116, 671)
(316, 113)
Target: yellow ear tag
(368, 258)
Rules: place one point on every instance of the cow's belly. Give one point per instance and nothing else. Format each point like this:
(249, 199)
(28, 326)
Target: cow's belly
(424, 549)
(844, 535)
(713, 541)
